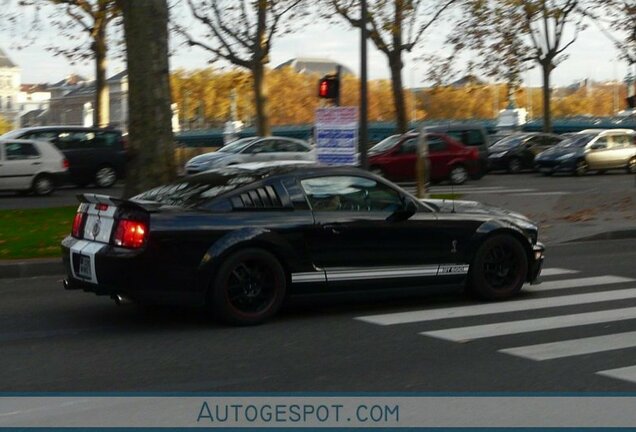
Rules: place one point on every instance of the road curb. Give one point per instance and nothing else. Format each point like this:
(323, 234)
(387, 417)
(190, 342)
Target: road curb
(31, 268)
(608, 235)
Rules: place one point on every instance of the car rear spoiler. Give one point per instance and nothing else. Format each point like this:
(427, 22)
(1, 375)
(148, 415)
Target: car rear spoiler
(91, 198)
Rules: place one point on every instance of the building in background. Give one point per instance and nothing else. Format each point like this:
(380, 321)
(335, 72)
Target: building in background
(314, 66)
(9, 89)
(33, 103)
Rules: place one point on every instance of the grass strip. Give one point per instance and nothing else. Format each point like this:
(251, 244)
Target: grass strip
(34, 233)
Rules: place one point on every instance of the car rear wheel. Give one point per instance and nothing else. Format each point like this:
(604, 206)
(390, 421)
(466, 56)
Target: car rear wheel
(514, 165)
(43, 185)
(458, 175)
(581, 168)
(631, 166)
(499, 268)
(105, 176)
(249, 288)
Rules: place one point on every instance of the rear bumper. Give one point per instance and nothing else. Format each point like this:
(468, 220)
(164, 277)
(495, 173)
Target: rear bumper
(131, 273)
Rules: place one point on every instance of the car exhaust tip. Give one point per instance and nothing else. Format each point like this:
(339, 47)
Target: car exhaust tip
(120, 299)
(65, 284)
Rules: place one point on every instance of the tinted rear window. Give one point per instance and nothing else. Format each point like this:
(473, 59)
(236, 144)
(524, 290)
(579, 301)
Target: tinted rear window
(198, 190)
(73, 140)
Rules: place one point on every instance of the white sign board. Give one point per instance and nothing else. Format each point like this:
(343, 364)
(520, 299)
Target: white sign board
(336, 135)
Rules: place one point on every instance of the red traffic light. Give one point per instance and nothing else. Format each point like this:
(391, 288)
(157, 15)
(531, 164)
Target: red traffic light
(328, 87)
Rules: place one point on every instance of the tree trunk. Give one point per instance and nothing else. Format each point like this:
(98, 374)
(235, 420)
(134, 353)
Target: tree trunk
(151, 148)
(101, 110)
(546, 68)
(395, 64)
(261, 53)
(260, 101)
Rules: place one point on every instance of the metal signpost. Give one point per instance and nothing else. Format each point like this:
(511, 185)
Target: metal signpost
(336, 136)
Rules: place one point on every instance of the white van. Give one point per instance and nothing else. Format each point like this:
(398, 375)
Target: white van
(31, 166)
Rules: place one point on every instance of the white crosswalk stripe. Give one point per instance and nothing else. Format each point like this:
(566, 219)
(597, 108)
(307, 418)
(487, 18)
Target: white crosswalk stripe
(578, 283)
(574, 347)
(461, 334)
(554, 350)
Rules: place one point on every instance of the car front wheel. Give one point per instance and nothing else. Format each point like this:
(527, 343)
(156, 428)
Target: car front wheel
(43, 185)
(499, 268)
(631, 166)
(249, 288)
(581, 168)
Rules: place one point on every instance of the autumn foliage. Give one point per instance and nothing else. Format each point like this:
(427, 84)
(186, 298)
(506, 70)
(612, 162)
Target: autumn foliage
(204, 99)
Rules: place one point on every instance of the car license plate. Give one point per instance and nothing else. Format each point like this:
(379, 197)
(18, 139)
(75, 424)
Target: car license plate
(85, 270)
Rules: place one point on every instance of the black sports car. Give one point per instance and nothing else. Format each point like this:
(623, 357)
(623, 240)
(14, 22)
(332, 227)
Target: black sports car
(239, 240)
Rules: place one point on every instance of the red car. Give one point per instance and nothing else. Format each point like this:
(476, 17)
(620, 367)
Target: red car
(394, 158)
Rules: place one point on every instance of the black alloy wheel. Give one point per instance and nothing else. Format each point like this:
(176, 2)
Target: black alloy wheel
(499, 269)
(249, 287)
(631, 166)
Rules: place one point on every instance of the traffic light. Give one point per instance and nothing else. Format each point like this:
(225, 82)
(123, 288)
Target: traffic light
(329, 87)
(631, 101)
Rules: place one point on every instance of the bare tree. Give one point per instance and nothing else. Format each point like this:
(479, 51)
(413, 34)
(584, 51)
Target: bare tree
(91, 17)
(150, 143)
(617, 20)
(508, 33)
(241, 32)
(395, 27)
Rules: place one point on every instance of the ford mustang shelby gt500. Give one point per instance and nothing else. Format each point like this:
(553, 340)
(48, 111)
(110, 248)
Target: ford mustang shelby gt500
(239, 240)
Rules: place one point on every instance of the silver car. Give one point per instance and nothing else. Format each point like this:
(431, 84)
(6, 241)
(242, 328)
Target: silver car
(252, 149)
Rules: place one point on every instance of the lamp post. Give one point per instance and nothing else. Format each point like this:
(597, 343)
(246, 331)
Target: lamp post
(363, 134)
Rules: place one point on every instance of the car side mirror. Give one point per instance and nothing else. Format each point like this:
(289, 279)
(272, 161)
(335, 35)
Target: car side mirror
(404, 212)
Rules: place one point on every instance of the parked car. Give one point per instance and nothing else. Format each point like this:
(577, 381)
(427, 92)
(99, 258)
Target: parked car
(471, 136)
(240, 241)
(31, 166)
(517, 152)
(252, 149)
(95, 155)
(395, 158)
(591, 149)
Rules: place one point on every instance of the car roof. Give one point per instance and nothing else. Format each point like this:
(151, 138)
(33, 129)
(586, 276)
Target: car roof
(62, 127)
(268, 169)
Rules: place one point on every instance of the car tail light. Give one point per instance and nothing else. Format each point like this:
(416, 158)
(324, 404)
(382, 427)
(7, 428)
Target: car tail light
(78, 224)
(65, 164)
(131, 234)
(474, 153)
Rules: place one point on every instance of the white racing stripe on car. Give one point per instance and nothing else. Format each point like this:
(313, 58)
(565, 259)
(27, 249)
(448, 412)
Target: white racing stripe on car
(574, 347)
(494, 308)
(89, 249)
(460, 334)
(579, 283)
(340, 274)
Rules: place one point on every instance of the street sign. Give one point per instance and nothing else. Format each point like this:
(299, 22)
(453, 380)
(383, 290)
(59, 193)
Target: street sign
(336, 135)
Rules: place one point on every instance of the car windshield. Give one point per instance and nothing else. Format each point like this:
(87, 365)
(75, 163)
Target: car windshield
(237, 146)
(385, 144)
(576, 141)
(509, 142)
(197, 190)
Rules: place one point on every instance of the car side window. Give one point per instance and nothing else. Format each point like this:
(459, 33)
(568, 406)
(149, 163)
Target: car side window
(409, 146)
(286, 146)
(20, 151)
(261, 147)
(601, 143)
(620, 141)
(44, 136)
(350, 193)
(75, 140)
(435, 144)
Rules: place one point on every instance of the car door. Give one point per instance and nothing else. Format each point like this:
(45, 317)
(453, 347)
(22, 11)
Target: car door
(439, 155)
(358, 243)
(598, 153)
(403, 158)
(21, 162)
(82, 158)
(619, 150)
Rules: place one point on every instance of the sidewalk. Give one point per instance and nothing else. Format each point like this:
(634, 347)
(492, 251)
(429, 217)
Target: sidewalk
(575, 216)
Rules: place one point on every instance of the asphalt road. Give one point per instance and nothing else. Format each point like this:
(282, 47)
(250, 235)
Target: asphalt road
(56, 340)
(530, 185)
